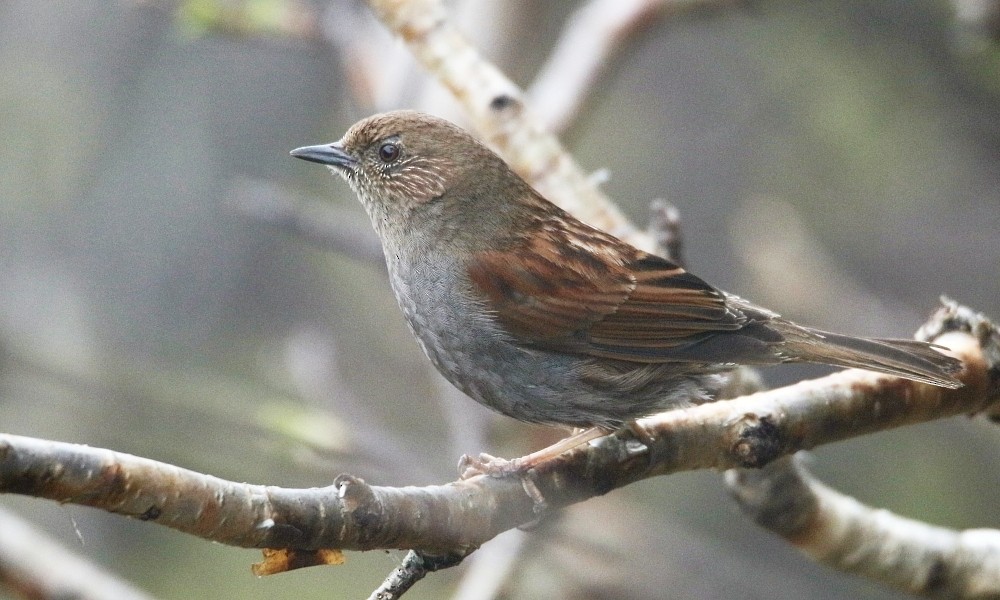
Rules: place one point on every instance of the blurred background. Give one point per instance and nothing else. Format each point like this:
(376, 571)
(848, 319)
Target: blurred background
(174, 285)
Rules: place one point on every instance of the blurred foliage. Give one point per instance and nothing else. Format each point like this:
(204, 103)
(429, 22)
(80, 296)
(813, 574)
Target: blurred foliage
(243, 17)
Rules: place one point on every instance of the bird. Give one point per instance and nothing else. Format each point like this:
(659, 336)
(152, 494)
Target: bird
(543, 318)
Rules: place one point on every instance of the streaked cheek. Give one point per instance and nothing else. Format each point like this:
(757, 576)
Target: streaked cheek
(420, 182)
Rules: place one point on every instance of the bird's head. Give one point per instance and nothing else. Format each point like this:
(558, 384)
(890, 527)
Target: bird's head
(401, 160)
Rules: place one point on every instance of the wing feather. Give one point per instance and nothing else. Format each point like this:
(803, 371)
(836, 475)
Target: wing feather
(577, 289)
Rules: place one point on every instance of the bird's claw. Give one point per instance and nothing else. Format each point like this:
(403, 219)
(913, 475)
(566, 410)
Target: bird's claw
(493, 466)
(486, 464)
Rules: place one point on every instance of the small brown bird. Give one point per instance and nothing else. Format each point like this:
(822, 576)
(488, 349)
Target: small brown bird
(546, 319)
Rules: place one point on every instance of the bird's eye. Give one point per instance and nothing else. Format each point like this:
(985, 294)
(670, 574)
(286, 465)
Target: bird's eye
(388, 152)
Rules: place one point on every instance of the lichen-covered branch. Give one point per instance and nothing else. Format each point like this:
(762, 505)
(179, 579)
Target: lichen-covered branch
(415, 566)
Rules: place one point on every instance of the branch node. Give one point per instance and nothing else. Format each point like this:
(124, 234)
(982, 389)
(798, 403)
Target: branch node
(352, 490)
(151, 514)
(953, 317)
(759, 441)
(358, 504)
(502, 102)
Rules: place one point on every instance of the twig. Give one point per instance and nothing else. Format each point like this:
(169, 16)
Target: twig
(665, 228)
(415, 566)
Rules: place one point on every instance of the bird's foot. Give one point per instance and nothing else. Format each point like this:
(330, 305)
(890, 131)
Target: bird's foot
(492, 466)
(641, 433)
(485, 464)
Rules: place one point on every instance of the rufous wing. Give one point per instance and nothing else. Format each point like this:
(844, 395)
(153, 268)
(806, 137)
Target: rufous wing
(573, 288)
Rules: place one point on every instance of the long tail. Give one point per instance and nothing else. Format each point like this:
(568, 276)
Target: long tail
(909, 359)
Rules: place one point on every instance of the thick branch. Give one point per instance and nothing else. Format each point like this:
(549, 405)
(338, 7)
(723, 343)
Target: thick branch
(350, 514)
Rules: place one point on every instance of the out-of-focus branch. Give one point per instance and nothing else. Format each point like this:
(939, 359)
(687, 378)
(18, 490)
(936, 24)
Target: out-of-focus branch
(498, 110)
(439, 520)
(978, 18)
(591, 40)
(34, 566)
(840, 532)
(330, 227)
(780, 272)
(492, 565)
(665, 228)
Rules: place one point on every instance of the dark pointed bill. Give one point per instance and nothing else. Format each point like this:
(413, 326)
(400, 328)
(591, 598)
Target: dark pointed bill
(326, 154)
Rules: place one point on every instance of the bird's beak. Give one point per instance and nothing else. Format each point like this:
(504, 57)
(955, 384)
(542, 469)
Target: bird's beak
(333, 155)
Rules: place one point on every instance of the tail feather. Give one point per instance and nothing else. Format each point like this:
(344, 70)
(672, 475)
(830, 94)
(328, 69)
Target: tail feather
(909, 359)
